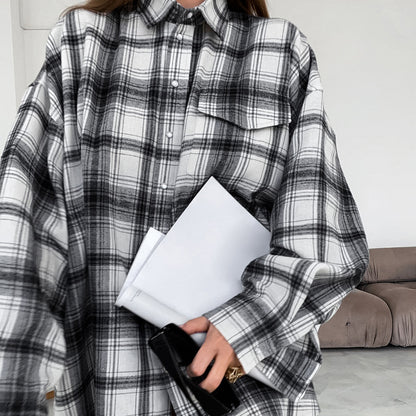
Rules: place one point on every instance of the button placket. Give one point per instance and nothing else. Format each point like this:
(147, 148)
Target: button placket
(165, 184)
(169, 134)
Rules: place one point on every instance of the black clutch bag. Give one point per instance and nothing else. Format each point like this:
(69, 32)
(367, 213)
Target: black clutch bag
(176, 350)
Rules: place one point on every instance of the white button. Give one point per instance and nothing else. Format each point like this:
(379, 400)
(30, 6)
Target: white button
(190, 15)
(169, 134)
(164, 186)
(175, 83)
(179, 36)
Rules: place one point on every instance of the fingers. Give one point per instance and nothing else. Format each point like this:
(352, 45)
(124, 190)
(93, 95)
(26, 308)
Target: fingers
(215, 348)
(223, 357)
(201, 360)
(200, 324)
(216, 373)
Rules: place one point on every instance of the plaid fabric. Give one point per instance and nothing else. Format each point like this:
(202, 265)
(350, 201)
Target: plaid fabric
(123, 125)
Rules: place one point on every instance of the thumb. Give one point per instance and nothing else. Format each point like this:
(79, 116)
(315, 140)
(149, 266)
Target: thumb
(192, 326)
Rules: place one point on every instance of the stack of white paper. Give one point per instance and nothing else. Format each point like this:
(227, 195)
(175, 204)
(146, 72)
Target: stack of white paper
(198, 264)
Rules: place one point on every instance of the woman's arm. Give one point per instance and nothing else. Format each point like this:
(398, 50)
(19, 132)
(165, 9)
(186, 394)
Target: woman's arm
(318, 248)
(33, 244)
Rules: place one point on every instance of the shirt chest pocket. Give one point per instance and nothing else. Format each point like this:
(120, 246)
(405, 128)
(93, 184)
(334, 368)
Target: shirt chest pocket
(248, 111)
(239, 137)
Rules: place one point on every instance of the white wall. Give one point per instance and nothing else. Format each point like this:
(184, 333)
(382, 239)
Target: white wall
(8, 101)
(366, 54)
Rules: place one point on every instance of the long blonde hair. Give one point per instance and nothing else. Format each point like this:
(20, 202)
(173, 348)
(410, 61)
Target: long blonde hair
(252, 7)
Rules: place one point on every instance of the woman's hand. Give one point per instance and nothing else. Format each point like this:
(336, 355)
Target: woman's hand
(215, 347)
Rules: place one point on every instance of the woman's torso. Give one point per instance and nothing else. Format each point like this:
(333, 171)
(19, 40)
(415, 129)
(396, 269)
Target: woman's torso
(138, 146)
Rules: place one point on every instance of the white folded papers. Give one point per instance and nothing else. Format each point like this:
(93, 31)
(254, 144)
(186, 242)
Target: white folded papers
(198, 264)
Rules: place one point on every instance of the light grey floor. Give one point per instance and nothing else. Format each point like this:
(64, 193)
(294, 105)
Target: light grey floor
(365, 382)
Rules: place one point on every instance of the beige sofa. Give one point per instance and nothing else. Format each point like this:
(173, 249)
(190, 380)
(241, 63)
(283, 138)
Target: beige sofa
(382, 310)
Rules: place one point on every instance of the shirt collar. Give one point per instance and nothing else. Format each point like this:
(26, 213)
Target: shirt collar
(215, 12)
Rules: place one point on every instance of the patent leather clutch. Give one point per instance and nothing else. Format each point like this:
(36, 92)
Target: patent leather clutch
(176, 350)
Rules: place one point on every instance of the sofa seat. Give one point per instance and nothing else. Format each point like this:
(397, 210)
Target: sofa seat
(362, 320)
(401, 299)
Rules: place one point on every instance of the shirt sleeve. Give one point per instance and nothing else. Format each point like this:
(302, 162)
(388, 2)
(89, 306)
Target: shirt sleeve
(33, 244)
(318, 248)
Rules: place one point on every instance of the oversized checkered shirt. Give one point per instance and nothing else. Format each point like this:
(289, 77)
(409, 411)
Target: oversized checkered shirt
(128, 117)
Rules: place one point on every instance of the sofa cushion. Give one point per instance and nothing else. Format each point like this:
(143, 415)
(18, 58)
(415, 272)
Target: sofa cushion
(391, 265)
(410, 285)
(401, 299)
(362, 320)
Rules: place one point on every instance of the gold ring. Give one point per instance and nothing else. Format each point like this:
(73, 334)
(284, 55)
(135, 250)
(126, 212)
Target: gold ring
(233, 374)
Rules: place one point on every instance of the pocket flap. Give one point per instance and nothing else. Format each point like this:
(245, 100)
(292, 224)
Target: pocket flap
(249, 111)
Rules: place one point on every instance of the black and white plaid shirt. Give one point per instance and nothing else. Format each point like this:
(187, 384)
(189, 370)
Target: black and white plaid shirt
(129, 116)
